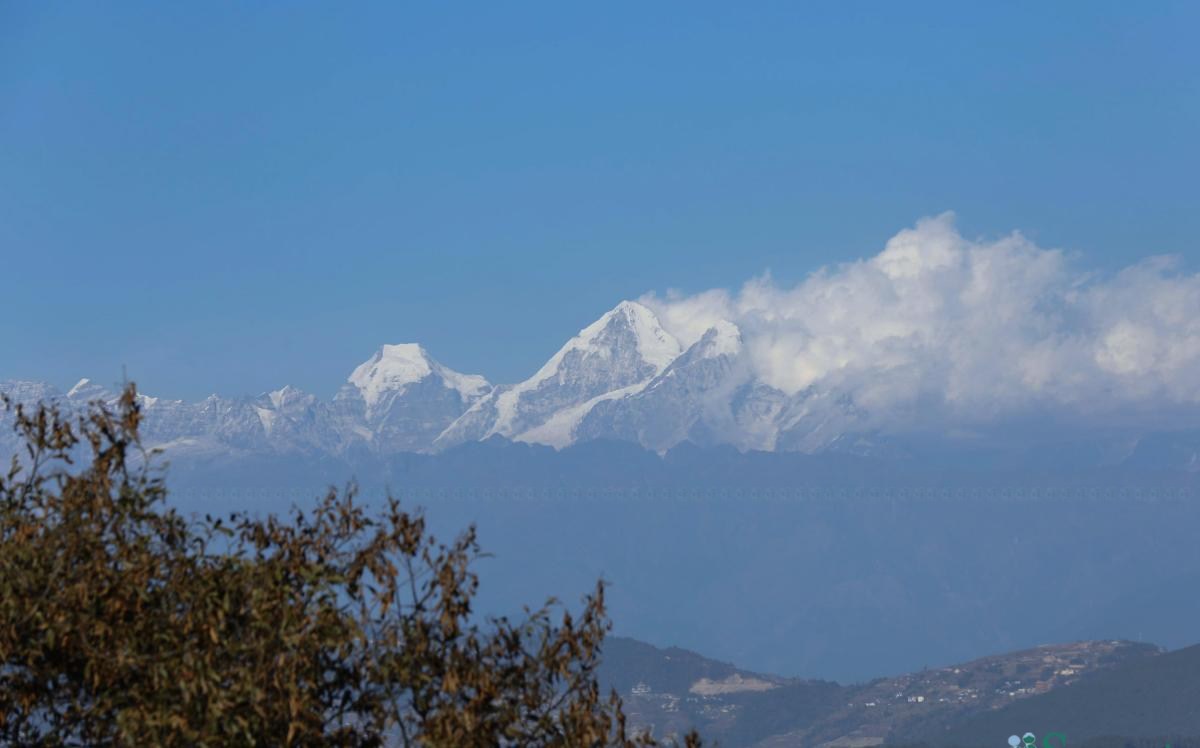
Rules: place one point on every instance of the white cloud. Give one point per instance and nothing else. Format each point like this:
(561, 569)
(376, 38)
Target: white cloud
(972, 329)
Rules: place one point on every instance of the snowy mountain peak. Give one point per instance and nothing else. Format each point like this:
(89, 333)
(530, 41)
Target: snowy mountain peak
(395, 367)
(627, 323)
(85, 390)
(656, 346)
(392, 367)
(287, 395)
(722, 339)
(624, 347)
(79, 387)
(623, 376)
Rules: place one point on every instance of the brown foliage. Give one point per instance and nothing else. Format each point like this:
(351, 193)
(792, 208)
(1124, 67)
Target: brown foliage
(124, 623)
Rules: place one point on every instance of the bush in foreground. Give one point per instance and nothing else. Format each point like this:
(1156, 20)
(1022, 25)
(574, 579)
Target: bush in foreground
(125, 623)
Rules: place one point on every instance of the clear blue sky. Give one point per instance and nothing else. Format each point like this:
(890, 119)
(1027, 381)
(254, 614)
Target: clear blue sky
(233, 196)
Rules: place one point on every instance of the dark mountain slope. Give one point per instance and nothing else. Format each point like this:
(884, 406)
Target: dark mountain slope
(1143, 697)
(628, 663)
(673, 690)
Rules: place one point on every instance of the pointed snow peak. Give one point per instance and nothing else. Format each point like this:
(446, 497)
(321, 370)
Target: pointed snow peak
(627, 321)
(630, 310)
(81, 386)
(626, 346)
(657, 346)
(400, 356)
(285, 395)
(87, 390)
(722, 339)
(392, 367)
(629, 318)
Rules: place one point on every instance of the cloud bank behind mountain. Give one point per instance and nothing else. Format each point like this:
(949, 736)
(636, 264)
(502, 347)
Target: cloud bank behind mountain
(937, 340)
(938, 326)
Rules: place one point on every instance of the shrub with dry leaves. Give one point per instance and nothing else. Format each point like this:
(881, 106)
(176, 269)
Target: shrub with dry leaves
(123, 622)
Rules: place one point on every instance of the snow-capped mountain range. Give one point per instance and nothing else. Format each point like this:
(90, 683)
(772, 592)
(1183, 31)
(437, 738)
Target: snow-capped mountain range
(622, 377)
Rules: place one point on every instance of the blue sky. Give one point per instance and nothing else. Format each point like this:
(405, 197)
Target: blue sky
(230, 197)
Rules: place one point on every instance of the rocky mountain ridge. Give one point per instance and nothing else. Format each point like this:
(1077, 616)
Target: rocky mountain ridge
(623, 378)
